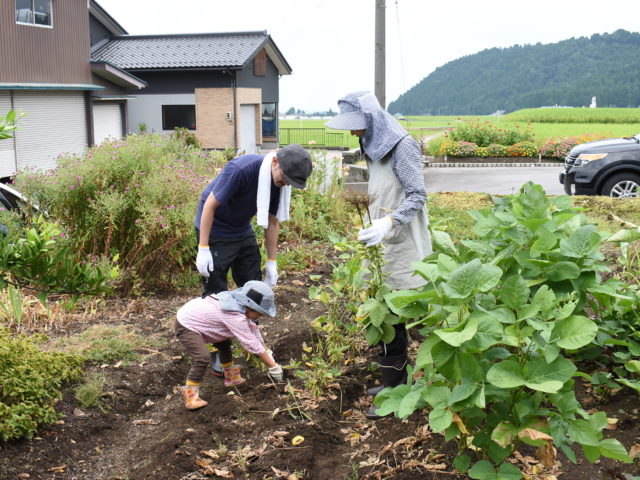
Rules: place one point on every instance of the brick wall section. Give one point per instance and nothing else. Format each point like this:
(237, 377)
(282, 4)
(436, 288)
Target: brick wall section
(214, 130)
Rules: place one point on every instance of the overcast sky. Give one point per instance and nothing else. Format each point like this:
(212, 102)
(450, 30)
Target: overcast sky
(330, 43)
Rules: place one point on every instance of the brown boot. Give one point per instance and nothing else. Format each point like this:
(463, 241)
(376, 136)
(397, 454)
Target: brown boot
(232, 376)
(191, 395)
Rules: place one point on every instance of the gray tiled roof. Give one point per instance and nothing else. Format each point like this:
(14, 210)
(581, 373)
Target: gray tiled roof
(213, 50)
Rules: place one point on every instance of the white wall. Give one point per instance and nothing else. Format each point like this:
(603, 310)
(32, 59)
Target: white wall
(148, 109)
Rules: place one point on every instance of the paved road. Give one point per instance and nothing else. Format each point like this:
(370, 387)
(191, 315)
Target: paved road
(497, 180)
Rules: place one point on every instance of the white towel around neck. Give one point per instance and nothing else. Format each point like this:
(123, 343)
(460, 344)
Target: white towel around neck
(264, 194)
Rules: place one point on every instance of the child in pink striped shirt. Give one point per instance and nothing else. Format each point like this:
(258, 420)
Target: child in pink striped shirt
(217, 319)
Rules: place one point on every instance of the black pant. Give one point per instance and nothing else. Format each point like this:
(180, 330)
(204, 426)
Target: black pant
(398, 345)
(240, 254)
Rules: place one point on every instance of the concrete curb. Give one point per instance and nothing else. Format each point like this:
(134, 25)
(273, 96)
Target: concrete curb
(490, 164)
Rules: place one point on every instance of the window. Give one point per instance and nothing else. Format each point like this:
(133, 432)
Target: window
(269, 120)
(182, 116)
(34, 12)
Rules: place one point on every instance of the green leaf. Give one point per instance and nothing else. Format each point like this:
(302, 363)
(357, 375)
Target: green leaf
(498, 453)
(581, 243)
(591, 453)
(462, 391)
(408, 403)
(462, 462)
(488, 277)
(514, 292)
(483, 470)
(489, 332)
(508, 471)
(506, 374)
(429, 271)
(549, 377)
(442, 241)
(458, 335)
(633, 366)
(625, 235)
(612, 448)
(436, 396)
(462, 281)
(563, 271)
(439, 419)
(581, 431)
(544, 299)
(388, 333)
(373, 334)
(573, 332)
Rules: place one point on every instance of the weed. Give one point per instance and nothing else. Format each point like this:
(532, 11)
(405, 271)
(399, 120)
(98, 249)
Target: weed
(89, 393)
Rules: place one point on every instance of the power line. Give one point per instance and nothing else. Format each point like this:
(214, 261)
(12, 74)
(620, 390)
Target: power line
(304, 24)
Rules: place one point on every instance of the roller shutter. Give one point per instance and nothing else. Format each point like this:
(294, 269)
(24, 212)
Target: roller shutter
(107, 121)
(54, 124)
(8, 165)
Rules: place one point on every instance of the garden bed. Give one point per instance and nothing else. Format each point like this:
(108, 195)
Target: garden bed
(145, 433)
(482, 160)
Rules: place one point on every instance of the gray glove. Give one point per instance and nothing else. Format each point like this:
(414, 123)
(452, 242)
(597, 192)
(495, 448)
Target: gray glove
(276, 373)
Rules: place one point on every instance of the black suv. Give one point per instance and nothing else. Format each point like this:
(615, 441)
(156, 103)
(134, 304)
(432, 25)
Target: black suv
(605, 167)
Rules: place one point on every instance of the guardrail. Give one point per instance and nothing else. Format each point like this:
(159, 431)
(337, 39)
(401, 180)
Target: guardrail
(313, 138)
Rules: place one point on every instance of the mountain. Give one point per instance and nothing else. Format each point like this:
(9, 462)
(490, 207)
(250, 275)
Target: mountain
(569, 73)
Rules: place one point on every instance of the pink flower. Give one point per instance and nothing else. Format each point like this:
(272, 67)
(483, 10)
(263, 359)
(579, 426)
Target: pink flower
(71, 187)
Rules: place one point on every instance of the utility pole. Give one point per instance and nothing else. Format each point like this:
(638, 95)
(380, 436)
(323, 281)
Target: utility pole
(380, 53)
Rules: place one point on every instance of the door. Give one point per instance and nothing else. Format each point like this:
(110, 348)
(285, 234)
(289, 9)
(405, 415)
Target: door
(54, 124)
(248, 129)
(8, 166)
(107, 121)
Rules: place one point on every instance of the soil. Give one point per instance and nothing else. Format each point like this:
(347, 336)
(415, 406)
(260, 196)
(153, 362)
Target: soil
(144, 432)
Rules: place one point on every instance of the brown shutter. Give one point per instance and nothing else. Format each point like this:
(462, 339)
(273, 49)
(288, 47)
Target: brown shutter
(260, 63)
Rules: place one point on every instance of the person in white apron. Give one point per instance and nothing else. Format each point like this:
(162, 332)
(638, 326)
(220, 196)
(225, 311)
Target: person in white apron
(397, 206)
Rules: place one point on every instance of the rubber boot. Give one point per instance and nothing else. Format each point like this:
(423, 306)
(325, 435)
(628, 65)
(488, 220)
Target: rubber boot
(232, 376)
(216, 368)
(191, 395)
(394, 373)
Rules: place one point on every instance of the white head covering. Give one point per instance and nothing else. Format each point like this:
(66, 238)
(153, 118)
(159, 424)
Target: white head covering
(361, 111)
(254, 294)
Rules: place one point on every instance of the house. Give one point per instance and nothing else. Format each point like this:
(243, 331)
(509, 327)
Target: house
(80, 78)
(224, 86)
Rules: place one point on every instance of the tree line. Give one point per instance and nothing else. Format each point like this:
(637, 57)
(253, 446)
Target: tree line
(566, 73)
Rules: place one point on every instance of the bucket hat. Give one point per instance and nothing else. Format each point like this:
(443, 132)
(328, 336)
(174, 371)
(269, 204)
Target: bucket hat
(295, 163)
(257, 296)
(351, 116)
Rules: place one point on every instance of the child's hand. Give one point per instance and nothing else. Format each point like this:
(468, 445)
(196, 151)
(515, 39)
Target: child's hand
(276, 373)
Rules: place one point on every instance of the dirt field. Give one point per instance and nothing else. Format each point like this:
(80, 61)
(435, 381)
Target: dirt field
(145, 433)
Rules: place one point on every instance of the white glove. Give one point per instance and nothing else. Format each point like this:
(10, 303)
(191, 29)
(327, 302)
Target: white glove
(276, 373)
(204, 261)
(379, 229)
(271, 273)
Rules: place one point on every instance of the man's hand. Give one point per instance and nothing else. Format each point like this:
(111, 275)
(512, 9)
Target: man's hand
(276, 373)
(204, 261)
(379, 229)
(271, 273)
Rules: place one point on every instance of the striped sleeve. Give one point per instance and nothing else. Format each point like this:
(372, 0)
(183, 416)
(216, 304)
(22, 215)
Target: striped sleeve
(406, 163)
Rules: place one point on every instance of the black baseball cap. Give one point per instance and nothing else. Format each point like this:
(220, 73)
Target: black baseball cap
(295, 162)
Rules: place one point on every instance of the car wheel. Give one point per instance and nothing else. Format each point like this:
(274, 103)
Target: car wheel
(622, 185)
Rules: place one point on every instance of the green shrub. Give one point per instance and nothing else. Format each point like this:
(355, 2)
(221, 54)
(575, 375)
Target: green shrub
(42, 257)
(187, 137)
(134, 197)
(30, 381)
(497, 150)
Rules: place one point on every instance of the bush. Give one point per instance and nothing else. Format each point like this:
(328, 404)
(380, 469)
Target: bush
(31, 381)
(134, 197)
(497, 150)
(458, 149)
(484, 134)
(522, 149)
(560, 147)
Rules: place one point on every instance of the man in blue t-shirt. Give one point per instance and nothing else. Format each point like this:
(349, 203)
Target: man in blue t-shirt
(226, 239)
